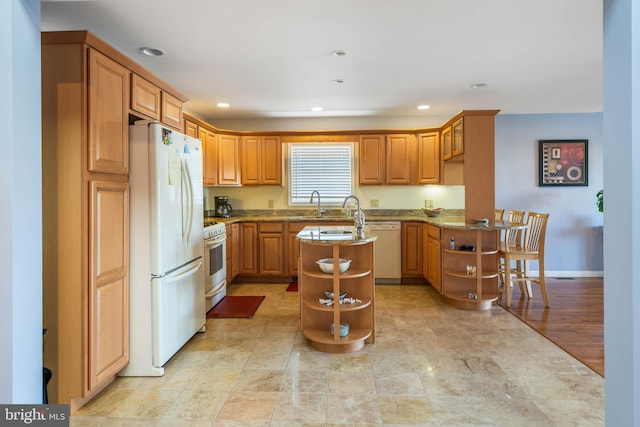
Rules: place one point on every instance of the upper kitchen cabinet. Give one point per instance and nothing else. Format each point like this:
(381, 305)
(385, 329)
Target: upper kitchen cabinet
(108, 130)
(209, 156)
(388, 159)
(221, 152)
(228, 159)
(400, 158)
(261, 160)
(372, 159)
(429, 158)
(447, 148)
(458, 138)
(154, 103)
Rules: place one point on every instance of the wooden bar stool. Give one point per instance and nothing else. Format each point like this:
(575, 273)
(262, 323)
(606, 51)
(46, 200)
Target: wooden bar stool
(511, 238)
(531, 249)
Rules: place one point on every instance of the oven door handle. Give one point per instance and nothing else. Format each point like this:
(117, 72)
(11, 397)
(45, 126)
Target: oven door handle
(216, 240)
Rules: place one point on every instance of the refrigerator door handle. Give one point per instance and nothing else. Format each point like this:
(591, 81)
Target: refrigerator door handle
(187, 273)
(190, 201)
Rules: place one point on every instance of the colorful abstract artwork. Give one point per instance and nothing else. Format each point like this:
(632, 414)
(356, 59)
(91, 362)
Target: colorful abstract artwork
(563, 162)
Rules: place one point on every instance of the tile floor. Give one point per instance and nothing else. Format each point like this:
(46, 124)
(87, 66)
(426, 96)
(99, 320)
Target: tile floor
(432, 365)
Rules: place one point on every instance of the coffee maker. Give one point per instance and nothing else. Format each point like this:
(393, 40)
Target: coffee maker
(223, 208)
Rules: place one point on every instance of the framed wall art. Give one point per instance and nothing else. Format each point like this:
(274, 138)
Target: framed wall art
(563, 163)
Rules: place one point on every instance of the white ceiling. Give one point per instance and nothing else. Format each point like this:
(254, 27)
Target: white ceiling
(273, 58)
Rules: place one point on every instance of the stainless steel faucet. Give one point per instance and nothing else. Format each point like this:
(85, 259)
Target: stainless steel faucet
(319, 213)
(358, 217)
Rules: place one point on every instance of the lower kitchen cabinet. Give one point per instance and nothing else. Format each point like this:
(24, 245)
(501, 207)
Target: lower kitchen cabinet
(431, 234)
(271, 248)
(411, 249)
(248, 260)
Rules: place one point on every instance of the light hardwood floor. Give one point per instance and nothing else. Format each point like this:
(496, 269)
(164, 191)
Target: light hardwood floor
(575, 320)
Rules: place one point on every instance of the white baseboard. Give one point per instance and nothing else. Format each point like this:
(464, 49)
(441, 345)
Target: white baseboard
(569, 274)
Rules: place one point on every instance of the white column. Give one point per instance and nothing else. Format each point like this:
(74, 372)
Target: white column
(20, 203)
(621, 126)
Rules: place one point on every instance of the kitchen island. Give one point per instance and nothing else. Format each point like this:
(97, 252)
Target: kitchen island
(332, 297)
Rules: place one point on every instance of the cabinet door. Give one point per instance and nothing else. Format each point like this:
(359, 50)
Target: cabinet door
(108, 115)
(145, 97)
(248, 260)
(228, 160)
(108, 347)
(433, 257)
(372, 159)
(250, 160)
(271, 249)
(446, 143)
(191, 129)
(399, 158)
(271, 161)
(429, 158)
(458, 137)
(171, 111)
(411, 249)
(235, 249)
(209, 157)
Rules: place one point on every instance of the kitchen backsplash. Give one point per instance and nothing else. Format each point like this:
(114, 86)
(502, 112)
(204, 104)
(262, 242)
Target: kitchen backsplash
(387, 196)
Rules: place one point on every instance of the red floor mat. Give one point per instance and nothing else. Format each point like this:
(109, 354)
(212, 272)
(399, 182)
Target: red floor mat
(238, 306)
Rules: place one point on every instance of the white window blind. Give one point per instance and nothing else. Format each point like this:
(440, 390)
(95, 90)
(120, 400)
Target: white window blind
(325, 167)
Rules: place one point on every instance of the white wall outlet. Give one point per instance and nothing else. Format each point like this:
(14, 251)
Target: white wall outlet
(375, 203)
(428, 204)
(270, 204)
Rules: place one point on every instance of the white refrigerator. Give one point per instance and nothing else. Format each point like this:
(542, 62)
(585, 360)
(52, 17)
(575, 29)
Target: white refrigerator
(167, 245)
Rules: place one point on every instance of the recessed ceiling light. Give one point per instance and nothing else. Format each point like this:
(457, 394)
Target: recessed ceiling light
(223, 104)
(339, 81)
(316, 108)
(150, 51)
(339, 53)
(478, 85)
(423, 107)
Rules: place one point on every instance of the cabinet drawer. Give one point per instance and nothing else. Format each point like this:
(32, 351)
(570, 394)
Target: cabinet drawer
(270, 227)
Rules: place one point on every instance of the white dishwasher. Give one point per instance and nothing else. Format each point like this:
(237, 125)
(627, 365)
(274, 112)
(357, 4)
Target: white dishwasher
(388, 250)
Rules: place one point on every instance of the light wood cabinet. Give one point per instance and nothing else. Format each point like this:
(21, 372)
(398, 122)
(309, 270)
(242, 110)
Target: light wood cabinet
(470, 277)
(234, 242)
(372, 159)
(400, 158)
(458, 137)
(433, 246)
(248, 259)
(154, 103)
(171, 112)
(261, 160)
(145, 97)
(228, 159)
(191, 129)
(271, 248)
(209, 156)
(411, 249)
(429, 158)
(108, 347)
(358, 282)
(108, 90)
(447, 149)
(85, 164)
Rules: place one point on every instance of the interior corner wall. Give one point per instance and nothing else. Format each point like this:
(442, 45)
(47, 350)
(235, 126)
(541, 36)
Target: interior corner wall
(574, 240)
(21, 207)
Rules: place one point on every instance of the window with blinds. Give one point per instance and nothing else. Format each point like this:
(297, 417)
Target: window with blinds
(325, 167)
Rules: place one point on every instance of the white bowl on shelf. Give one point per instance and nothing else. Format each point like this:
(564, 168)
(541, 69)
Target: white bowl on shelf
(326, 264)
